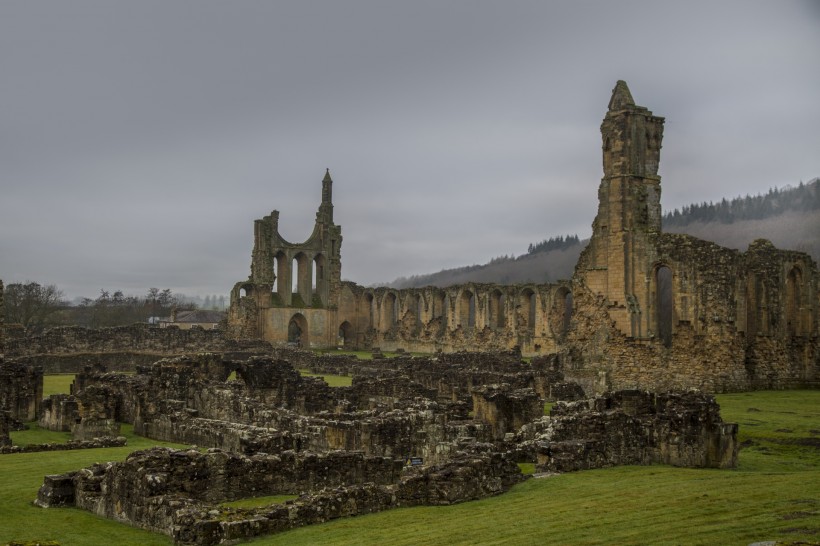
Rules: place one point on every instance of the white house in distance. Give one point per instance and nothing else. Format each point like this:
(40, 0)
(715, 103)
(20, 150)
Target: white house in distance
(197, 318)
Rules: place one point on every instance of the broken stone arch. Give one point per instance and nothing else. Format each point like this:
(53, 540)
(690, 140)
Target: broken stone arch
(245, 290)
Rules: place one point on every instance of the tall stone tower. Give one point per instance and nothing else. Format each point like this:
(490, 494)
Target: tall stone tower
(617, 263)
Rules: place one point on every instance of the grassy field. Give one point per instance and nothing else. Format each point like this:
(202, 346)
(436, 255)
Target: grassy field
(331, 380)
(57, 384)
(773, 495)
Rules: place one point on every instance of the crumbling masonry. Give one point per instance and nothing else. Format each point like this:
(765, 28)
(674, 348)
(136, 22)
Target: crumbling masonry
(644, 309)
(394, 438)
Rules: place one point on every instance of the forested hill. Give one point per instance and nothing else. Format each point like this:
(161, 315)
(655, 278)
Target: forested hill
(552, 261)
(789, 217)
(803, 198)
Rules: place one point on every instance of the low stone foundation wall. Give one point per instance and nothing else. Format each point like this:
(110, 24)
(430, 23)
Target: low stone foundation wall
(635, 427)
(74, 363)
(176, 492)
(94, 443)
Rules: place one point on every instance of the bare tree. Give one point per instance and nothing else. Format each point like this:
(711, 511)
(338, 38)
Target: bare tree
(32, 304)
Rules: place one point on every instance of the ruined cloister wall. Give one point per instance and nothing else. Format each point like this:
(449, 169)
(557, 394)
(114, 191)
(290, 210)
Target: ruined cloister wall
(474, 317)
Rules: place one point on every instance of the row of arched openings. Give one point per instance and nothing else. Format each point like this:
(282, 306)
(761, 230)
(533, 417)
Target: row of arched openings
(301, 271)
(465, 309)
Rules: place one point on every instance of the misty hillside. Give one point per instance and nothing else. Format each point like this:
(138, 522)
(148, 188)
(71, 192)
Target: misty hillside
(539, 267)
(789, 217)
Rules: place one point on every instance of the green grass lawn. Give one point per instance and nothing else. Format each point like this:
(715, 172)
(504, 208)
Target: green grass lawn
(773, 495)
(57, 384)
(21, 475)
(331, 380)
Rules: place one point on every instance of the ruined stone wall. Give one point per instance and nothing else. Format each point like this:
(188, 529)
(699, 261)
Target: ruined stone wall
(728, 321)
(74, 363)
(669, 311)
(21, 390)
(6, 422)
(312, 267)
(174, 492)
(59, 412)
(633, 427)
(122, 348)
(505, 409)
(455, 375)
(468, 317)
(471, 317)
(175, 404)
(135, 338)
(71, 445)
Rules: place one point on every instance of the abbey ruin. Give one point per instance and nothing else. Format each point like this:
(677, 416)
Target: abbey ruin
(629, 350)
(644, 309)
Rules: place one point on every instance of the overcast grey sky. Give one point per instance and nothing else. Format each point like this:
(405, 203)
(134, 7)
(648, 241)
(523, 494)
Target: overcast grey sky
(140, 140)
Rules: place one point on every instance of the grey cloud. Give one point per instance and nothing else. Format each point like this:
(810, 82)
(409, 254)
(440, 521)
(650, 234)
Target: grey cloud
(144, 138)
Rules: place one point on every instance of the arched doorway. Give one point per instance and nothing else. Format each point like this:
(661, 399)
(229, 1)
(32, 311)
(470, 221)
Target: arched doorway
(298, 331)
(346, 335)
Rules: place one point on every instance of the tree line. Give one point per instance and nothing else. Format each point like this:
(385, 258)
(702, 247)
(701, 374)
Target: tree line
(554, 243)
(37, 307)
(804, 197)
